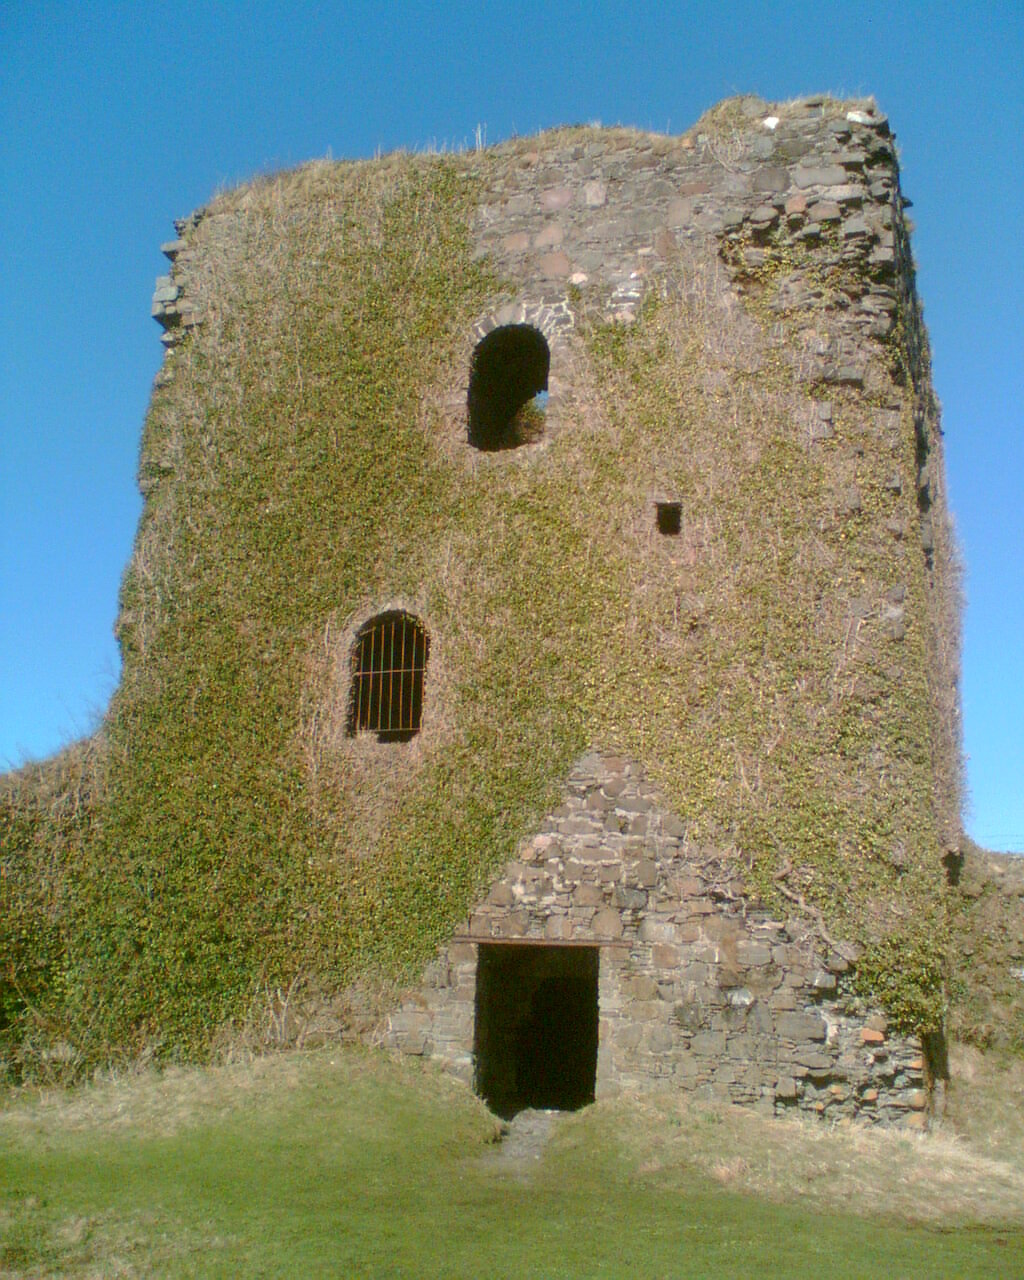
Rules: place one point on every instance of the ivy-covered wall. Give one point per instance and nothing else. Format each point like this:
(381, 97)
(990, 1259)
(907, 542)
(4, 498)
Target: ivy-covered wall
(732, 326)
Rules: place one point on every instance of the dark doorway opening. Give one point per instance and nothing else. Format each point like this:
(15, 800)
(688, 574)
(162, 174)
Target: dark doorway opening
(506, 387)
(536, 1027)
(669, 517)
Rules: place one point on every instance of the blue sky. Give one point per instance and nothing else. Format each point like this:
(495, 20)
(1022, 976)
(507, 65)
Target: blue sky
(117, 118)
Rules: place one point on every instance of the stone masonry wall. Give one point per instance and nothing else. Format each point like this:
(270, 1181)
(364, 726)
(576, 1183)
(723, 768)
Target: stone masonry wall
(612, 208)
(699, 988)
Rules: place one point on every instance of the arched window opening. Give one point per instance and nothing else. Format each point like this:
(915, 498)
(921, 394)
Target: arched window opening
(388, 661)
(508, 385)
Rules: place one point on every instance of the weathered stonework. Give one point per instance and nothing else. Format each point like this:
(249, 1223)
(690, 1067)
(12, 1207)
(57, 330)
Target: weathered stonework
(699, 988)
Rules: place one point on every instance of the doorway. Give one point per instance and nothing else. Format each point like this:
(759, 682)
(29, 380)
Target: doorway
(536, 1026)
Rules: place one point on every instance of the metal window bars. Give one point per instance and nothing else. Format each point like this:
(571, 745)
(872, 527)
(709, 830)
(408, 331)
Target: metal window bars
(388, 661)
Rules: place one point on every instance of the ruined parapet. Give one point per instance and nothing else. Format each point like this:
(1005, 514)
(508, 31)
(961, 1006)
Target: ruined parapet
(175, 313)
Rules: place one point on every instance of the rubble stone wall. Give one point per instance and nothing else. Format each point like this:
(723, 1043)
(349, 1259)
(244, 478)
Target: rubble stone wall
(698, 988)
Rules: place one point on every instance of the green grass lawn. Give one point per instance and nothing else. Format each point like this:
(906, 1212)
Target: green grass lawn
(344, 1163)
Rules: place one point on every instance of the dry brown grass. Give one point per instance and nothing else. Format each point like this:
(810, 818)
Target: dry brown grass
(969, 1169)
(159, 1103)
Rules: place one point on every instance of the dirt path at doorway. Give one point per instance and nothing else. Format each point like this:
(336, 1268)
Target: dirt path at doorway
(525, 1137)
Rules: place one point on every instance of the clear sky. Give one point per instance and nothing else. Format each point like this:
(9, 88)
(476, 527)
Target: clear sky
(116, 118)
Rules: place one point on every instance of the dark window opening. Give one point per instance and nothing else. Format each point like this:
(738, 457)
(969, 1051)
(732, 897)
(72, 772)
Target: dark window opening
(669, 517)
(507, 387)
(536, 1027)
(388, 661)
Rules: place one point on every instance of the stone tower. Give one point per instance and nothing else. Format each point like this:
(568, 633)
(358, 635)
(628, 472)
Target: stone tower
(542, 603)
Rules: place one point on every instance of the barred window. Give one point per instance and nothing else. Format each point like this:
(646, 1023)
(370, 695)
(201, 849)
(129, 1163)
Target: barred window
(388, 661)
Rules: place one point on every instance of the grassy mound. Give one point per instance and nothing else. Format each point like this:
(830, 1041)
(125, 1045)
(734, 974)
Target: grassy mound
(346, 1163)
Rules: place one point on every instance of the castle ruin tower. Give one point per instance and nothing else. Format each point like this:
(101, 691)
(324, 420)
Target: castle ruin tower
(542, 602)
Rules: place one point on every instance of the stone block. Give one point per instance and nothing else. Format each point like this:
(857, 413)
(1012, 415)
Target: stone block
(688, 887)
(554, 265)
(868, 1035)
(771, 180)
(728, 978)
(753, 954)
(854, 227)
(594, 194)
(708, 1043)
(813, 1059)
(628, 1036)
(514, 925)
(633, 804)
(643, 988)
(548, 237)
(851, 193)
(660, 1039)
(785, 1089)
(647, 1010)
(555, 198)
(689, 1014)
(664, 956)
(629, 899)
(607, 924)
(759, 1018)
(587, 895)
(801, 1026)
(823, 176)
(584, 825)
(646, 873)
(657, 929)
